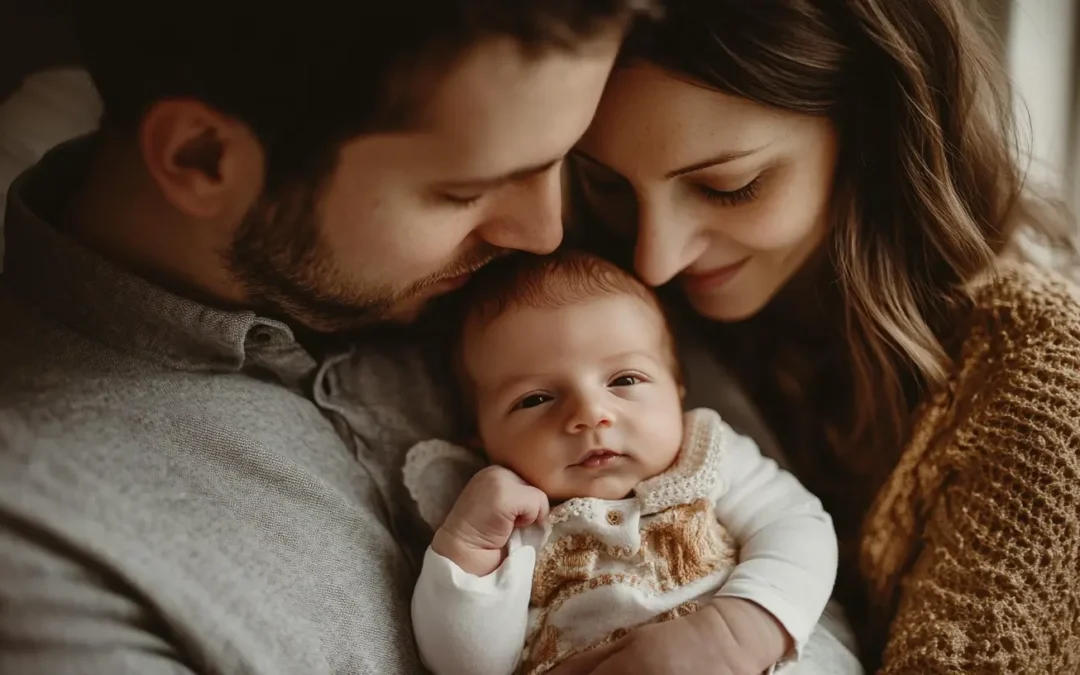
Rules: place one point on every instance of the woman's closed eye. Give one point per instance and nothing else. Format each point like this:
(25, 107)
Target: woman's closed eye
(742, 195)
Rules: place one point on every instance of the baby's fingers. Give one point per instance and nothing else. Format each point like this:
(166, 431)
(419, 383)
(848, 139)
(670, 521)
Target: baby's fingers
(532, 507)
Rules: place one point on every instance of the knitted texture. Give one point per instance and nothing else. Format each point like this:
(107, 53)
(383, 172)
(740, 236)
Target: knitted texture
(971, 551)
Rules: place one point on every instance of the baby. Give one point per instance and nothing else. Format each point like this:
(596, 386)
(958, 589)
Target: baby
(605, 507)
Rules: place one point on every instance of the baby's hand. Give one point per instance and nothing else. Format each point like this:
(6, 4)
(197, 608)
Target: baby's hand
(492, 505)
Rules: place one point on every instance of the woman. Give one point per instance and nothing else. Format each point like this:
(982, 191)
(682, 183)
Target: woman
(833, 186)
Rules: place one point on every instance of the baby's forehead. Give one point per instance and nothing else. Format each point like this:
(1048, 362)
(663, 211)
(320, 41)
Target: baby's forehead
(602, 328)
(597, 307)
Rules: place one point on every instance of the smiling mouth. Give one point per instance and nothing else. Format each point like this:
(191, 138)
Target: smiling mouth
(595, 459)
(713, 279)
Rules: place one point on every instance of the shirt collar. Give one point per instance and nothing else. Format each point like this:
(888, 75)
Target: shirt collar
(72, 285)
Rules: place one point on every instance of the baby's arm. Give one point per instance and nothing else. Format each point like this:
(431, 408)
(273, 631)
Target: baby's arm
(788, 549)
(466, 624)
(471, 604)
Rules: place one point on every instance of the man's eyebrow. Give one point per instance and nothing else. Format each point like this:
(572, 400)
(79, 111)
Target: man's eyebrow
(696, 166)
(485, 183)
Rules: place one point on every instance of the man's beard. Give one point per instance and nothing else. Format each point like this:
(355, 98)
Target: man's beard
(287, 269)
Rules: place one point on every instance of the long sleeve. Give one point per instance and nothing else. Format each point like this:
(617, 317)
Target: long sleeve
(973, 546)
(65, 616)
(994, 582)
(470, 625)
(788, 549)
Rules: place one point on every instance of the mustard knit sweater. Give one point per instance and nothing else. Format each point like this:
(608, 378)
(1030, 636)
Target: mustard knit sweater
(971, 549)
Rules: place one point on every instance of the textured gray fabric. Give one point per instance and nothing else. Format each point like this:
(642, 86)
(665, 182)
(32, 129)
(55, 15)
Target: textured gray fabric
(185, 490)
(177, 491)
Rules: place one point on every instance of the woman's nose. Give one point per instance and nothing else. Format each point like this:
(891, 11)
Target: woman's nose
(589, 413)
(667, 243)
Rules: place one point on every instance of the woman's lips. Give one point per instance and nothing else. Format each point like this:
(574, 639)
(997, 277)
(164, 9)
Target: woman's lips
(713, 279)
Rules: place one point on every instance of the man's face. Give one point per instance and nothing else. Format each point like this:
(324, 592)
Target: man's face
(406, 216)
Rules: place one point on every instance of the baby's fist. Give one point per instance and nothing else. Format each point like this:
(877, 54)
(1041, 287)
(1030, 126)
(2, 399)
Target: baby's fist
(492, 505)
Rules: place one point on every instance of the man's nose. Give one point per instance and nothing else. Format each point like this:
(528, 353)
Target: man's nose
(529, 218)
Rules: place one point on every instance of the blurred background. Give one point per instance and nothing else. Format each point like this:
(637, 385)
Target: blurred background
(1040, 44)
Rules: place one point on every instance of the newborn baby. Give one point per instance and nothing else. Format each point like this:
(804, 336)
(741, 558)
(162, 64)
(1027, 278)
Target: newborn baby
(605, 507)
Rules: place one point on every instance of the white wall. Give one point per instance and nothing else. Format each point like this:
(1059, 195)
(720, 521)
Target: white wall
(1041, 53)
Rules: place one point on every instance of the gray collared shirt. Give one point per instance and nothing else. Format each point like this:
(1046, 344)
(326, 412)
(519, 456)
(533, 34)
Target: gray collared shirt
(185, 489)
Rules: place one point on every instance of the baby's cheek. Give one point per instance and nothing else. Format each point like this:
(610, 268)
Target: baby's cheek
(521, 455)
(669, 439)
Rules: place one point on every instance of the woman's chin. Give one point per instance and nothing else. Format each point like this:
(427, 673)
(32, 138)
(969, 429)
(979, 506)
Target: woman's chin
(726, 310)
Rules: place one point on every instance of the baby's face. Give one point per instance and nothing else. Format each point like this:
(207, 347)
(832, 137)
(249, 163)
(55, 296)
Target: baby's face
(580, 401)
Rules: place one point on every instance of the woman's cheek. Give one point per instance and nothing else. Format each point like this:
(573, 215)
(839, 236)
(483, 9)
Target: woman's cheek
(772, 224)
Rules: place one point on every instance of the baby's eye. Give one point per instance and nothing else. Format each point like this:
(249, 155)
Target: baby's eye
(625, 381)
(533, 400)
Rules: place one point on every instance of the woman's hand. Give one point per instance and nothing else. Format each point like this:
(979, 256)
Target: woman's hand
(728, 636)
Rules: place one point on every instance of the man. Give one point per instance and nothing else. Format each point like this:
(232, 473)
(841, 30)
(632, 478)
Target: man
(183, 489)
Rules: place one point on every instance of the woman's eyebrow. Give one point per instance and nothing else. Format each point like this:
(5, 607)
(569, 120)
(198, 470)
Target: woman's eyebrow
(696, 166)
(714, 161)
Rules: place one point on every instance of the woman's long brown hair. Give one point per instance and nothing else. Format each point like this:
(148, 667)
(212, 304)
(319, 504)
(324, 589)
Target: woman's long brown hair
(928, 191)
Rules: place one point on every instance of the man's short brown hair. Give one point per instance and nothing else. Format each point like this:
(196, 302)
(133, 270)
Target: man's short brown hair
(307, 76)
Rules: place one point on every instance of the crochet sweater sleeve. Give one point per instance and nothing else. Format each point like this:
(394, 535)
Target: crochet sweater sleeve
(991, 580)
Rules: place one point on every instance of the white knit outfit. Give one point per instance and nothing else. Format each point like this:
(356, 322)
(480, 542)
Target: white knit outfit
(722, 521)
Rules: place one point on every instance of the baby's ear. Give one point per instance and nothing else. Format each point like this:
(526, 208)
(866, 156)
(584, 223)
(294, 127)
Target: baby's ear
(682, 392)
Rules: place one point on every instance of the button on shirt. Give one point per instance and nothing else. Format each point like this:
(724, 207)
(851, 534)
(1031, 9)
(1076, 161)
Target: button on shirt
(185, 489)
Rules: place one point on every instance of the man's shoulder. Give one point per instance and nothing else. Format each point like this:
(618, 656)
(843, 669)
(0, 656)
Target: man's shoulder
(34, 348)
(56, 382)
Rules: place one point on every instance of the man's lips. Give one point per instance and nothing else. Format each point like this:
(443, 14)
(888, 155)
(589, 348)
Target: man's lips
(598, 458)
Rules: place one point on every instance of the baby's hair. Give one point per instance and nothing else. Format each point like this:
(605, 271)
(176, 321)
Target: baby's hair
(561, 279)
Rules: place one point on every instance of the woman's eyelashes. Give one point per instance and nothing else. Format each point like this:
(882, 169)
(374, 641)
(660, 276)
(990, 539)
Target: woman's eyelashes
(736, 197)
(606, 191)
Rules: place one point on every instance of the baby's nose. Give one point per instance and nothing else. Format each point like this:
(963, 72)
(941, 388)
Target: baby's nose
(589, 415)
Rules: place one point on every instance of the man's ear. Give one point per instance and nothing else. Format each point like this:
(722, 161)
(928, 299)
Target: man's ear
(199, 157)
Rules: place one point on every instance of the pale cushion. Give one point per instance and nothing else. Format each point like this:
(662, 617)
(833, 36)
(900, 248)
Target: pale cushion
(50, 107)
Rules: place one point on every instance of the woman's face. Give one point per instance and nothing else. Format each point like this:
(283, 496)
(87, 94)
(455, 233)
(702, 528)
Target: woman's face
(724, 195)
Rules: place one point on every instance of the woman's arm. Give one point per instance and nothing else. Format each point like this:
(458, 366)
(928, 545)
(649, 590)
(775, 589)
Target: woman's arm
(996, 588)
(991, 583)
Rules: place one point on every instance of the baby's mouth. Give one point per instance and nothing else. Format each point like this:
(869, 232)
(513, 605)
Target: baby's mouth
(598, 458)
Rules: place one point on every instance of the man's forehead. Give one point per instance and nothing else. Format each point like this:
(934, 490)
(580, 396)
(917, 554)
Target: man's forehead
(504, 110)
